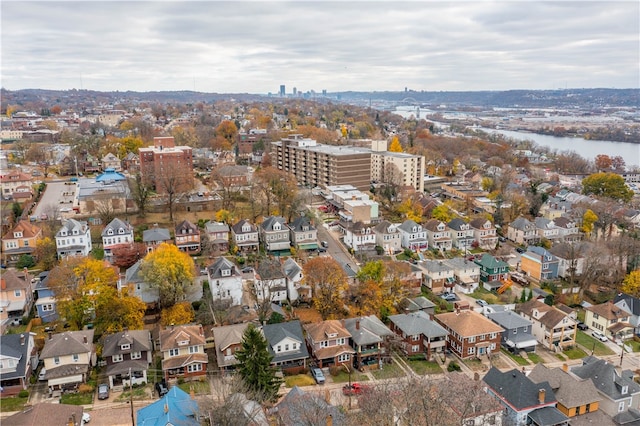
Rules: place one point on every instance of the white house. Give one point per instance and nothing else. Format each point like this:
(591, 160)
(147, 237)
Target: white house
(116, 233)
(271, 282)
(360, 237)
(294, 275)
(413, 236)
(73, 239)
(225, 281)
(466, 274)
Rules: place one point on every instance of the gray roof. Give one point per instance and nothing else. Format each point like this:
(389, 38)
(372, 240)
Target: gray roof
(156, 234)
(300, 224)
(132, 275)
(456, 223)
(294, 408)
(517, 389)
(632, 302)
(569, 391)
(548, 416)
(521, 223)
(367, 330)
(270, 221)
(115, 225)
(222, 263)
(213, 227)
(433, 266)
(70, 225)
(418, 303)
(140, 341)
(605, 377)
(416, 323)
(509, 320)
(275, 333)
(10, 347)
(385, 227)
(407, 225)
(68, 343)
(291, 268)
(269, 270)
(237, 228)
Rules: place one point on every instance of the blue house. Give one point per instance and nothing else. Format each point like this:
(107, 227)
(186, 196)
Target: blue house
(45, 299)
(176, 407)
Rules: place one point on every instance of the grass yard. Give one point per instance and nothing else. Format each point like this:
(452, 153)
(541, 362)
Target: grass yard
(588, 342)
(402, 256)
(389, 371)
(423, 367)
(343, 377)
(14, 403)
(561, 357)
(474, 364)
(574, 353)
(138, 394)
(77, 398)
(517, 358)
(299, 380)
(200, 388)
(635, 346)
(534, 357)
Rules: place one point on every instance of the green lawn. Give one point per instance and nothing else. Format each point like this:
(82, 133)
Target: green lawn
(299, 380)
(517, 358)
(77, 398)
(561, 357)
(138, 394)
(14, 403)
(534, 357)
(402, 256)
(200, 388)
(635, 346)
(423, 367)
(589, 343)
(575, 353)
(343, 377)
(388, 371)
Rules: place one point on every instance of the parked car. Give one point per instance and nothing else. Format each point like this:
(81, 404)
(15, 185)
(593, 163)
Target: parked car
(353, 389)
(86, 418)
(482, 302)
(103, 391)
(449, 297)
(318, 375)
(42, 373)
(324, 244)
(582, 326)
(161, 388)
(599, 336)
(502, 239)
(520, 250)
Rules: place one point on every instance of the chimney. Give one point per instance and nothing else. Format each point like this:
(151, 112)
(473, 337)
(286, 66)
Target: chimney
(50, 335)
(201, 330)
(565, 367)
(22, 340)
(84, 339)
(358, 324)
(541, 393)
(72, 420)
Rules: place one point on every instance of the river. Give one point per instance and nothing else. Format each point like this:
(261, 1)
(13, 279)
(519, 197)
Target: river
(586, 148)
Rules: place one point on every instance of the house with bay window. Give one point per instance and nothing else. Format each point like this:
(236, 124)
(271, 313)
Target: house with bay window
(328, 343)
(183, 355)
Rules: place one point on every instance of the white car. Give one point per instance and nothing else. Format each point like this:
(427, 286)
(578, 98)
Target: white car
(42, 373)
(599, 336)
(86, 418)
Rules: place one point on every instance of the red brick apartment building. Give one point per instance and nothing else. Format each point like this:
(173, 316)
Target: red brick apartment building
(166, 167)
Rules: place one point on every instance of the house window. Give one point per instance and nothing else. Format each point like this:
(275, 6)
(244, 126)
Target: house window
(279, 348)
(47, 307)
(56, 360)
(194, 367)
(515, 331)
(621, 407)
(526, 329)
(415, 348)
(340, 341)
(75, 357)
(472, 339)
(136, 355)
(343, 358)
(324, 344)
(471, 350)
(125, 347)
(17, 293)
(116, 358)
(174, 352)
(193, 349)
(415, 337)
(494, 335)
(286, 347)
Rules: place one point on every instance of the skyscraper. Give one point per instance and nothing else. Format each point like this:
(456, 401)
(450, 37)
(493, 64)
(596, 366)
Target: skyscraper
(282, 90)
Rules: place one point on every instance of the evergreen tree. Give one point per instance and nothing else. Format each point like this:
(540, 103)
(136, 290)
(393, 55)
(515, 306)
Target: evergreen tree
(523, 296)
(255, 365)
(530, 295)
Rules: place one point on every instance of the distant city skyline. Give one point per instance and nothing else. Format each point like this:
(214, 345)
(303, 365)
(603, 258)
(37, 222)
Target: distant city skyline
(255, 47)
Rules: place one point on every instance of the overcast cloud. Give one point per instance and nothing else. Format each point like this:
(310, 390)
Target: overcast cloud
(231, 47)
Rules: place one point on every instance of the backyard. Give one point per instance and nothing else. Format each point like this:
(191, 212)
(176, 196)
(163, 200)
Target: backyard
(591, 344)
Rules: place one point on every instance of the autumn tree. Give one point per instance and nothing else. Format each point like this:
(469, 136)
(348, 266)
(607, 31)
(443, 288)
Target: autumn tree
(411, 209)
(442, 213)
(180, 313)
(278, 188)
(610, 185)
(227, 130)
(126, 255)
(119, 311)
(395, 145)
(254, 365)
(46, 253)
(169, 270)
(328, 282)
(140, 192)
(588, 220)
(602, 162)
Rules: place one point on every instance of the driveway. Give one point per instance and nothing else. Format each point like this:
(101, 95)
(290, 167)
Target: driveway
(336, 248)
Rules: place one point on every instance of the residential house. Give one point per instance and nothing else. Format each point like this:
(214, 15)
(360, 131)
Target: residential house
(492, 269)
(388, 237)
(155, 236)
(68, 358)
(609, 319)
(183, 354)
(16, 294)
(437, 276)
(131, 163)
(575, 396)
(369, 338)
(438, 235)
(233, 176)
(225, 282)
(553, 328)
(462, 234)
(484, 233)
(525, 402)
(244, 235)
(360, 237)
(274, 234)
(188, 237)
(128, 354)
(413, 236)
(20, 240)
(522, 231)
(116, 233)
(110, 161)
(539, 263)
(228, 339)
(547, 229)
(295, 287)
(45, 413)
(218, 234)
(572, 257)
(620, 393)
(73, 239)
(140, 288)
(630, 304)
(271, 282)
(568, 228)
(18, 361)
(517, 335)
(419, 334)
(466, 274)
(297, 405)
(176, 407)
(419, 303)
(14, 182)
(328, 343)
(304, 236)
(286, 345)
(471, 335)
(46, 304)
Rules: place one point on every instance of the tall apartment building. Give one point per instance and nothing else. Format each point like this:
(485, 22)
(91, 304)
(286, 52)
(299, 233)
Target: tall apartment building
(166, 167)
(398, 167)
(323, 165)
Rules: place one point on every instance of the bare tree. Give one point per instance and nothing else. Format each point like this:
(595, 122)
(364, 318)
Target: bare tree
(140, 192)
(172, 186)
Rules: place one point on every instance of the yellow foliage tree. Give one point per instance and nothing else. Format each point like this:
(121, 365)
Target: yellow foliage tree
(631, 284)
(395, 145)
(169, 270)
(46, 253)
(180, 313)
(225, 216)
(12, 109)
(588, 220)
(442, 213)
(328, 282)
(411, 209)
(344, 131)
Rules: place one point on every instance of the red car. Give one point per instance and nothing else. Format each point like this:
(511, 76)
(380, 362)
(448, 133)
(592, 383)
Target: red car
(353, 389)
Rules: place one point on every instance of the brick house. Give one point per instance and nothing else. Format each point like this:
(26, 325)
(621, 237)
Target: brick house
(327, 342)
(228, 339)
(419, 333)
(471, 334)
(188, 237)
(20, 240)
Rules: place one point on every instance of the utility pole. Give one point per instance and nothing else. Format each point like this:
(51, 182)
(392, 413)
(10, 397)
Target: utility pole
(133, 419)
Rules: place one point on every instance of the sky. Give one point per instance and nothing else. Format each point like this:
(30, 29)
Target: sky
(254, 47)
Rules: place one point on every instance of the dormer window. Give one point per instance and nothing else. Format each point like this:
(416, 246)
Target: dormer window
(125, 346)
(17, 234)
(332, 335)
(625, 390)
(110, 232)
(225, 272)
(121, 231)
(183, 342)
(277, 227)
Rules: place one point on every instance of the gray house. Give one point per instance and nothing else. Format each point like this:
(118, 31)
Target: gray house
(304, 236)
(155, 236)
(274, 234)
(368, 337)
(286, 345)
(517, 334)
